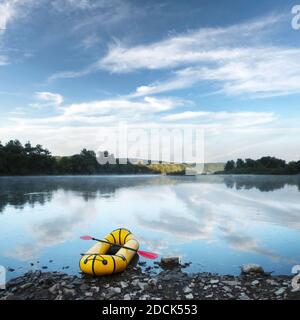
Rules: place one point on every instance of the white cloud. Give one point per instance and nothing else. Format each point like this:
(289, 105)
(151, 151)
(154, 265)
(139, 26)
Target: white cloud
(203, 45)
(236, 60)
(224, 140)
(62, 5)
(90, 41)
(69, 74)
(7, 12)
(223, 130)
(10, 10)
(207, 44)
(237, 119)
(100, 112)
(47, 99)
(100, 12)
(264, 72)
(74, 4)
(260, 72)
(3, 60)
(147, 105)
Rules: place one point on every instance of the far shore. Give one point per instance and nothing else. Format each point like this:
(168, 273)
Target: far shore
(222, 173)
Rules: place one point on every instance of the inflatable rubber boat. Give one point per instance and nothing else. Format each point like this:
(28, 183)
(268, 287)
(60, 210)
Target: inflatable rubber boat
(97, 262)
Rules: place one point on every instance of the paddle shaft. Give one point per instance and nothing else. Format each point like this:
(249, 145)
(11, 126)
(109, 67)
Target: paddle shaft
(148, 255)
(114, 244)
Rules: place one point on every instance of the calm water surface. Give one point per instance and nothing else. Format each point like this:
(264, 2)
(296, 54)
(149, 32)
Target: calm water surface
(216, 222)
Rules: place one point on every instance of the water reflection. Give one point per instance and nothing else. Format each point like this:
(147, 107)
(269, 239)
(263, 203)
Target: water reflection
(42, 188)
(216, 221)
(262, 183)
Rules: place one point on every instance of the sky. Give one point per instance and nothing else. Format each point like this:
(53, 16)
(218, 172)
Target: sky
(71, 67)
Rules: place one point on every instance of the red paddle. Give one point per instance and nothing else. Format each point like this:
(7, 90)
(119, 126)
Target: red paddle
(145, 254)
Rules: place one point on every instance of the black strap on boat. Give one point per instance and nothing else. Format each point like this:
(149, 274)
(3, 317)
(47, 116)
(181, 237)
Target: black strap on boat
(120, 232)
(113, 237)
(104, 261)
(122, 257)
(126, 236)
(114, 264)
(87, 259)
(93, 265)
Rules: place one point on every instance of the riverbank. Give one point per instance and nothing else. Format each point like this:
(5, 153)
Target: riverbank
(138, 284)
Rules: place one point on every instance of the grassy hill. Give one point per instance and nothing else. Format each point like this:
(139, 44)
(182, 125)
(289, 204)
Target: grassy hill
(213, 167)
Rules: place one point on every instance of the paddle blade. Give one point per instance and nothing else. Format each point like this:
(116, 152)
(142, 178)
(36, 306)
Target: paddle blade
(148, 255)
(86, 238)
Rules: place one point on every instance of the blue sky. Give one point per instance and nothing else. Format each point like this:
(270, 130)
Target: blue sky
(69, 67)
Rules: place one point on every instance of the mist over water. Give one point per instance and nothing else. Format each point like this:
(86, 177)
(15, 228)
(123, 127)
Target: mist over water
(215, 222)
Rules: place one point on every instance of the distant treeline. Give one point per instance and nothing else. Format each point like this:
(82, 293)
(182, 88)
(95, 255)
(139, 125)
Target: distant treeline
(16, 159)
(264, 165)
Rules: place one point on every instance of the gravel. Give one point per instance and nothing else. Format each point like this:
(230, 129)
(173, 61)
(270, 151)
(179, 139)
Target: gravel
(138, 284)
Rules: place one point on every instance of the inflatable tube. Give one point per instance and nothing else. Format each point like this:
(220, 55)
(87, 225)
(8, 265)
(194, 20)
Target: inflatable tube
(97, 262)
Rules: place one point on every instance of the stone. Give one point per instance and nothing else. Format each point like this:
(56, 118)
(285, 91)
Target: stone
(135, 282)
(127, 297)
(214, 281)
(115, 290)
(231, 282)
(88, 294)
(69, 292)
(252, 268)
(280, 291)
(169, 262)
(272, 282)
(255, 282)
(70, 286)
(189, 296)
(25, 286)
(84, 287)
(143, 285)
(153, 282)
(124, 284)
(187, 289)
(54, 288)
(243, 296)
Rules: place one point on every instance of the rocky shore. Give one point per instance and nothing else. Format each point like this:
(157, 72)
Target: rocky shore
(138, 283)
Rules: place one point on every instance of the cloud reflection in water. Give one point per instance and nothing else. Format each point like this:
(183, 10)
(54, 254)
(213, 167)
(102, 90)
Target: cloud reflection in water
(237, 213)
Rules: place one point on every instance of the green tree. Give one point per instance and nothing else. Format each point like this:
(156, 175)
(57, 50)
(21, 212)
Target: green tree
(240, 164)
(230, 165)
